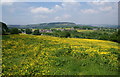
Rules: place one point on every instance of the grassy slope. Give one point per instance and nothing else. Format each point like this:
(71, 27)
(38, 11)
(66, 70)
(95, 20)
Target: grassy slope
(46, 55)
(85, 30)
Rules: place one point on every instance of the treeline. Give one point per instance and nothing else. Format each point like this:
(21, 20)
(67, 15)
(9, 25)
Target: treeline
(104, 34)
(98, 34)
(5, 30)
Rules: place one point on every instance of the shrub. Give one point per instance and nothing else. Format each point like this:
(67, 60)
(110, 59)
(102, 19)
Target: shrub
(28, 31)
(4, 28)
(36, 32)
(14, 31)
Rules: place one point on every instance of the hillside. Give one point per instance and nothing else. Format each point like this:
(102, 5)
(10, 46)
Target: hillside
(106, 25)
(47, 55)
(50, 25)
(45, 25)
(62, 24)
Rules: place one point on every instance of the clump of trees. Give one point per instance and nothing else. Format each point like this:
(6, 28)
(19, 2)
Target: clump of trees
(115, 36)
(28, 31)
(36, 32)
(99, 34)
(14, 31)
(22, 30)
(61, 33)
(4, 28)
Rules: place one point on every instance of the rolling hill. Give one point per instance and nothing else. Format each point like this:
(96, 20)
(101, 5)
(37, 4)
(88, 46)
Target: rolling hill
(49, 25)
(61, 24)
(45, 25)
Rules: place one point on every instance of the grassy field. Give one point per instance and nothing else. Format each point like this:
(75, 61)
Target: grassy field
(85, 30)
(47, 55)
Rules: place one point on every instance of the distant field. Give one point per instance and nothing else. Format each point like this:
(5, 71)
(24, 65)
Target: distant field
(47, 55)
(60, 28)
(85, 30)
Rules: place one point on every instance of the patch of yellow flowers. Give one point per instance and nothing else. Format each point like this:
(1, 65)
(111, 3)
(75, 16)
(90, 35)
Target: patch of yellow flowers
(31, 51)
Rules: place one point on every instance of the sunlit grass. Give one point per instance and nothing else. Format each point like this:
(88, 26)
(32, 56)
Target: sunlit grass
(46, 55)
(85, 30)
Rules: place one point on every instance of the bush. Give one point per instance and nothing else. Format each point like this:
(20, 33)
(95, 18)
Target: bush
(28, 31)
(4, 28)
(36, 32)
(22, 30)
(14, 31)
(115, 36)
(64, 34)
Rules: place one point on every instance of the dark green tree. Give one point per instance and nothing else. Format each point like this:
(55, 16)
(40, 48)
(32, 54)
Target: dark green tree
(115, 36)
(4, 28)
(22, 30)
(76, 27)
(64, 34)
(14, 31)
(36, 32)
(28, 31)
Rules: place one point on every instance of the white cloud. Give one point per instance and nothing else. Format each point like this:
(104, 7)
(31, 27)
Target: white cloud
(65, 6)
(89, 11)
(66, 16)
(98, 3)
(8, 0)
(58, 7)
(7, 3)
(57, 18)
(84, 13)
(69, 0)
(63, 17)
(41, 10)
(70, 4)
(107, 8)
(40, 16)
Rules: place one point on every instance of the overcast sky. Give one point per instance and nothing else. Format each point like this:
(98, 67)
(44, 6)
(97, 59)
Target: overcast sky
(77, 12)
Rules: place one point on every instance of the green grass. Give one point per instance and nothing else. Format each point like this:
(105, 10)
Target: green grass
(85, 30)
(46, 55)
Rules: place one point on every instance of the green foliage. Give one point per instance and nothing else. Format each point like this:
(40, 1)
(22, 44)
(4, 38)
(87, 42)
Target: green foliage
(36, 32)
(104, 34)
(22, 30)
(28, 31)
(76, 27)
(4, 28)
(115, 36)
(64, 34)
(14, 31)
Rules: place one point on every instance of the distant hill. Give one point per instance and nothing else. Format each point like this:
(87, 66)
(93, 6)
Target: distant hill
(58, 25)
(50, 25)
(45, 25)
(106, 25)
(61, 23)
(17, 26)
